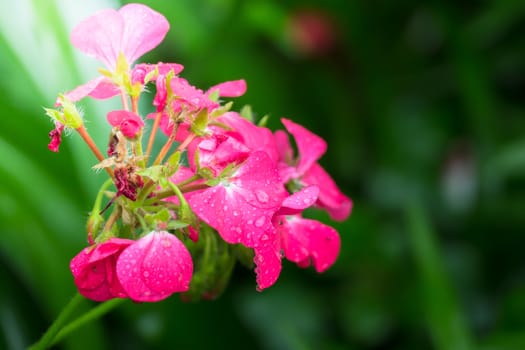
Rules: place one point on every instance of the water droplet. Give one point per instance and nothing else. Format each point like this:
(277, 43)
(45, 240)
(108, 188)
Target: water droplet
(238, 229)
(225, 208)
(260, 221)
(262, 196)
(250, 222)
(145, 274)
(264, 237)
(235, 213)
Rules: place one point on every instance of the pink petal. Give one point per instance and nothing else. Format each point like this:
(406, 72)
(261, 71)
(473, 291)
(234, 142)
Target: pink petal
(129, 123)
(234, 88)
(154, 267)
(267, 260)
(133, 30)
(144, 30)
(310, 146)
(284, 146)
(56, 137)
(254, 137)
(93, 270)
(330, 197)
(99, 88)
(241, 208)
(306, 240)
(298, 201)
(100, 36)
(217, 152)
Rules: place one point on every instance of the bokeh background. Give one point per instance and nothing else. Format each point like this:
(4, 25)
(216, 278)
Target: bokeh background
(422, 104)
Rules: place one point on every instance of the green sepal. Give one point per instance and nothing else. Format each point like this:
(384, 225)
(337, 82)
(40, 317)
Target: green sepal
(154, 172)
(214, 96)
(199, 124)
(244, 255)
(213, 264)
(151, 75)
(206, 173)
(72, 116)
(69, 115)
(55, 115)
(221, 110)
(263, 121)
(247, 113)
(106, 73)
(94, 224)
(162, 216)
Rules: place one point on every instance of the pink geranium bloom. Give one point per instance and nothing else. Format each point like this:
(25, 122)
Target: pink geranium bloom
(304, 241)
(94, 270)
(254, 137)
(127, 122)
(307, 171)
(131, 32)
(241, 209)
(155, 267)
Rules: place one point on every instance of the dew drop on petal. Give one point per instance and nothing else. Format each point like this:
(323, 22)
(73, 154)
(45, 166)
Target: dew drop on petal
(262, 196)
(260, 221)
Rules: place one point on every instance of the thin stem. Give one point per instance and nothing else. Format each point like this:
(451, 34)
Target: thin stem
(124, 99)
(186, 142)
(89, 316)
(153, 134)
(164, 150)
(91, 144)
(46, 340)
(167, 145)
(135, 105)
(112, 219)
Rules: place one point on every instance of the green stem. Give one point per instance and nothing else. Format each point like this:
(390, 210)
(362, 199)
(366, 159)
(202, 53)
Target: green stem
(46, 340)
(93, 314)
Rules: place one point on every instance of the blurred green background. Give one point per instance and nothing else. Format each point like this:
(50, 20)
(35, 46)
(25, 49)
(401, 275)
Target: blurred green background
(422, 104)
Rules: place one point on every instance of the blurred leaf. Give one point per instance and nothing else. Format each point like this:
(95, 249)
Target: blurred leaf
(446, 322)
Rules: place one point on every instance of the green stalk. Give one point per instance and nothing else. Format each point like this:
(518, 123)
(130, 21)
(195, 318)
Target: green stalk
(93, 314)
(46, 340)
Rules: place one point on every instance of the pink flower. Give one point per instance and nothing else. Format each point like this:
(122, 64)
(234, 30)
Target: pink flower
(307, 171)
(306, 241)
(154, 267)
(254, 137)
(241, 208)
(127, 122)
(56, 137)
(94, 270)
(131, 31)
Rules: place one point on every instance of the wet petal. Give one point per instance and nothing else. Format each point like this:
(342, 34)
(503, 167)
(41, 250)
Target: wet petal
(154, 267)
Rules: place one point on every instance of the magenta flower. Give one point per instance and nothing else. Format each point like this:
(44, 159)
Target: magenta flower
(307, 171)
(55, 136)
(154, 267)
(256, 138)
(129, 32)
(241, 209)
(304, 241)
(94, 270)
(127, 122)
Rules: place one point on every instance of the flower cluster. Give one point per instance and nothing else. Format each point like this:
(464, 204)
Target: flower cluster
(221, 189)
